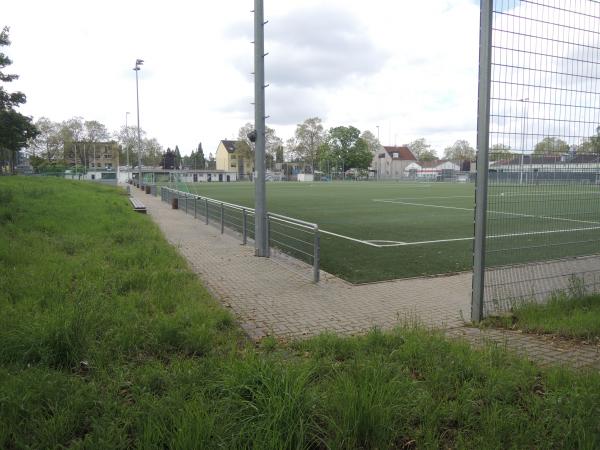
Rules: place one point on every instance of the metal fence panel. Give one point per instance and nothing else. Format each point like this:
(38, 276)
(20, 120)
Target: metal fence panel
(288, 235)
(542, 221)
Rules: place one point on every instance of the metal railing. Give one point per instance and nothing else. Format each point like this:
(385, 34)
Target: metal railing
(293, 237)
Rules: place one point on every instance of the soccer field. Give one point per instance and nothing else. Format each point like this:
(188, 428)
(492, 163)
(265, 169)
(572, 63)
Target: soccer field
(415, 229)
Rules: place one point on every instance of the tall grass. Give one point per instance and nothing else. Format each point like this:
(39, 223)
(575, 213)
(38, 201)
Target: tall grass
(107, 340)
(576, 317)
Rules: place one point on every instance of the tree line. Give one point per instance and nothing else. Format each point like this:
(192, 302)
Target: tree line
(339, 148)
(51, 148)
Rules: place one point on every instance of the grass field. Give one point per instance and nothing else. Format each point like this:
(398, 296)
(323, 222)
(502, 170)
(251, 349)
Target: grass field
(109, 341)
(427, 228)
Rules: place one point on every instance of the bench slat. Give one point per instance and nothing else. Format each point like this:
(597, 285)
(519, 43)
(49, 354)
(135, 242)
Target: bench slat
(137, 205)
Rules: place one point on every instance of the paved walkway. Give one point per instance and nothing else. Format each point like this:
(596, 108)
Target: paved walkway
(276, 296)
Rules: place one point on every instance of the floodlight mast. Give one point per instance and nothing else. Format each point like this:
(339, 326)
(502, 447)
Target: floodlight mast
(138, 63)
(260, 227)
(127, 143)
(523, 130)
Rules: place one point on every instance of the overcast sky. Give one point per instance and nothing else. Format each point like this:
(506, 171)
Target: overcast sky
(408, 66)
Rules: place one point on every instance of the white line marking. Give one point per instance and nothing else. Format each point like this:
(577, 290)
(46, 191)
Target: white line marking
(423, 204)
(348, 238)
(490, 211)
(385, 243)
(497, 236)
(421, 198)
(504, 195)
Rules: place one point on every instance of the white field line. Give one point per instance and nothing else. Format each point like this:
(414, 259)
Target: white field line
(490, 211)
(380, 243)
(348, 238)
(383, 243)
(503, 195)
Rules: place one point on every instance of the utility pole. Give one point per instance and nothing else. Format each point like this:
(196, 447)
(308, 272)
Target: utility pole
(138, 63)
(260, 227)
(523, 129)
(126, 137)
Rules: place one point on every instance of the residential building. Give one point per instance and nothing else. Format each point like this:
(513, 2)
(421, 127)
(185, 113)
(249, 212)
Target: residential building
(94, 155)
(391, 162)
(232, 157)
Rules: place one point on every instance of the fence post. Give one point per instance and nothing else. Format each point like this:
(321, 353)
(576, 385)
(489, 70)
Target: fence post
(206, 210)
(317, 255)
(483, 137)
(268, 233)
(186, 203)
(195, 207)
(244, 227)
(222, 218)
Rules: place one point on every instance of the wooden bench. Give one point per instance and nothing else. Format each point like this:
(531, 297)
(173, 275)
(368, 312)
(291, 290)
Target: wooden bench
(137, 205)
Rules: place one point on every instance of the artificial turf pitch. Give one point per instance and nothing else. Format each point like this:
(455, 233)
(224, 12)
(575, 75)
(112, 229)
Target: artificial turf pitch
(401, 214)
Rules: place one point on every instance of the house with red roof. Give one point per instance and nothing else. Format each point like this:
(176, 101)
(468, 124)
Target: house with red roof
(391, 162)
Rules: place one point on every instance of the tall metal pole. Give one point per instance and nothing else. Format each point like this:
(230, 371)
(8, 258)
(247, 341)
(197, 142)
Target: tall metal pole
(260, 226)
(138, 63)
(126, 136)
(377, 155)
(523, 111)
(483, 138)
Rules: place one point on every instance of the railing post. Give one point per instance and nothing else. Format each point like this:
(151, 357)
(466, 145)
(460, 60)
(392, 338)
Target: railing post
(195, 207)
(186, 203)
(222, 218)
(268, 233)
(244, 227)
(206, 209)
(317, 255)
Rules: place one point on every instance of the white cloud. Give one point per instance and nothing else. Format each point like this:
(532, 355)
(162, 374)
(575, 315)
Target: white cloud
(410, 67)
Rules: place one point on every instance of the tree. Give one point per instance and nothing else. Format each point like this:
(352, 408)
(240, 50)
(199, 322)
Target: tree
(127, 138)
(309, 135)
(16, 130)
(372, 142)
(211, 164)
(551, 146)
(460, 151)
(47, 144)
(177, 158)
(591, 146)
(348, 149)
(199, 162)
(152, 152)
(95, 131)
(245, 147)
(14, 99)
(279, 154)
(499, 152)
(422, 150)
